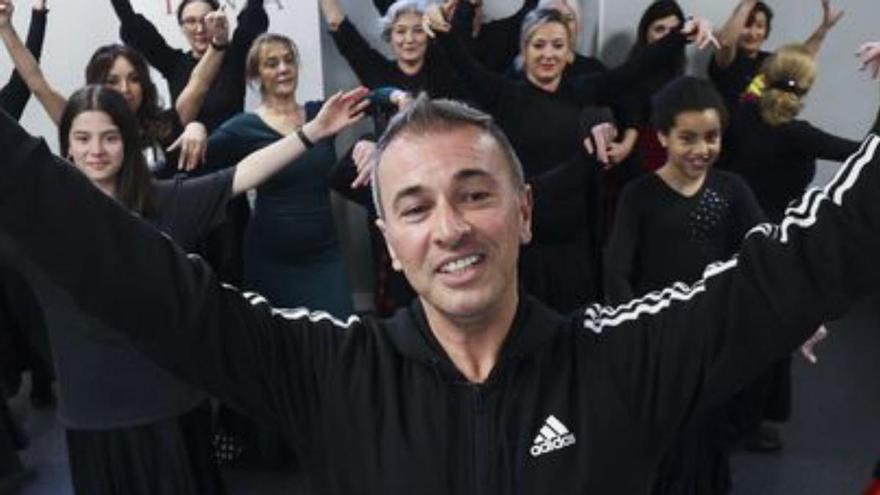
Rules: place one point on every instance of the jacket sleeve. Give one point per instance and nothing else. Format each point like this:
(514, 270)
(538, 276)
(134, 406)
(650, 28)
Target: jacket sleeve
(690, 347)
(139, 33)
(14, 96)
(170, 306)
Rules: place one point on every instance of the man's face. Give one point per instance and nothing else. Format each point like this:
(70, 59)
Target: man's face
(454, 220)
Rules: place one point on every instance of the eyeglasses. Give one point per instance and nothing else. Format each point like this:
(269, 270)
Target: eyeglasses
(193, 23)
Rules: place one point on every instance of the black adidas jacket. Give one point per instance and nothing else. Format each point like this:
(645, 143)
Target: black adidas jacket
(582, 404)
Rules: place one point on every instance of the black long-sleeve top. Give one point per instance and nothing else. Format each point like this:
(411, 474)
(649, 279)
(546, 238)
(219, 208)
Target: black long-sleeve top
(437, 77)
(14, 96)
(778, 162)
(226, 97)
(497, 44)
(584, 404)
(543, 126)
(660, 236)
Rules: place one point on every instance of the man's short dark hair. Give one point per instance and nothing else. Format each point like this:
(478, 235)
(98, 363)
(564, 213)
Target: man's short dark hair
(425, 115)
(685, 94)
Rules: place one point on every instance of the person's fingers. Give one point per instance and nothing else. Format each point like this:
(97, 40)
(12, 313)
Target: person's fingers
(426, 26)
(588, 145)
(363, 177)
(712, 40)
(808, 354)
(358, 109)
(176, 144)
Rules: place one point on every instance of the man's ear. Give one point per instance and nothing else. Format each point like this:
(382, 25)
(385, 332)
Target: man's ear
(525, 212)
(380, 224)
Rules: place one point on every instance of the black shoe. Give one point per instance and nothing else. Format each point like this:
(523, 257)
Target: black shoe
(764, 440)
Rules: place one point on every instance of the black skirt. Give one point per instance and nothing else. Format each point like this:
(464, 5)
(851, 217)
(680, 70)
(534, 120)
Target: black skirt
(563, 275)
(169, 457)
(9, 462)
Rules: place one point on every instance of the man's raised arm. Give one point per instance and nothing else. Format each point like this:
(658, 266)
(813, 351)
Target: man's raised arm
(690, 347)
(119, 270)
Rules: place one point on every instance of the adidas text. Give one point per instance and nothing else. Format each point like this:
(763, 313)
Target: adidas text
(552, 435)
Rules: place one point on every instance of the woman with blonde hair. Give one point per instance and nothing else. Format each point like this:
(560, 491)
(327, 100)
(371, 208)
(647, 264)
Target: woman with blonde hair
(776, 153)
(768, 145)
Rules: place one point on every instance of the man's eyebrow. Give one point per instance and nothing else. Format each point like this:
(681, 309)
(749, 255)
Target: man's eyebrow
(472, 173)
(405, 193)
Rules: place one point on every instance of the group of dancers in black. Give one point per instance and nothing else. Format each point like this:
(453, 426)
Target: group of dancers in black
(633, 190)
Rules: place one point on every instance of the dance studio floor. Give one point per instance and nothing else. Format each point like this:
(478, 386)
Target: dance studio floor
(831, 443)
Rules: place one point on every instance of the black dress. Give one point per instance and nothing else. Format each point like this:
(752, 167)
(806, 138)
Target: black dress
(544, 129)
(661, 237)
(778, 162)
(733, 80)
(132, 428)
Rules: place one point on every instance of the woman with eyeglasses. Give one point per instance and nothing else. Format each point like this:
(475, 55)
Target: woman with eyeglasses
(169, 142)
(226, 97)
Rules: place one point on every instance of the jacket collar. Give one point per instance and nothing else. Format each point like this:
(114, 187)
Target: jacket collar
(533, 325)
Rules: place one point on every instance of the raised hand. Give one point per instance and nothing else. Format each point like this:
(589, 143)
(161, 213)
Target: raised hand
(869, 54)
(435, 18)
(217, 25)
(6, 10)
(699, 31)
(340, 111)
(830, 16)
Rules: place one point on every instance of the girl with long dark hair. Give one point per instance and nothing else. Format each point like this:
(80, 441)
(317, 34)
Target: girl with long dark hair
(158, 440)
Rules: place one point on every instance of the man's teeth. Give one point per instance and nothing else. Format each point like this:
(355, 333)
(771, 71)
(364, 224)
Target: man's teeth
(458, 265)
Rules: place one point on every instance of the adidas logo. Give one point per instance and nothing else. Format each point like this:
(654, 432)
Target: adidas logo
(553, 435)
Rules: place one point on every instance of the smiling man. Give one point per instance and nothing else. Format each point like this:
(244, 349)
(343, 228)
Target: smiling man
(476, 388)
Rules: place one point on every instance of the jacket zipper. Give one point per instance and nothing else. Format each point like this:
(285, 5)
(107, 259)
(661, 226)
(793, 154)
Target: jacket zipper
(481, 441)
